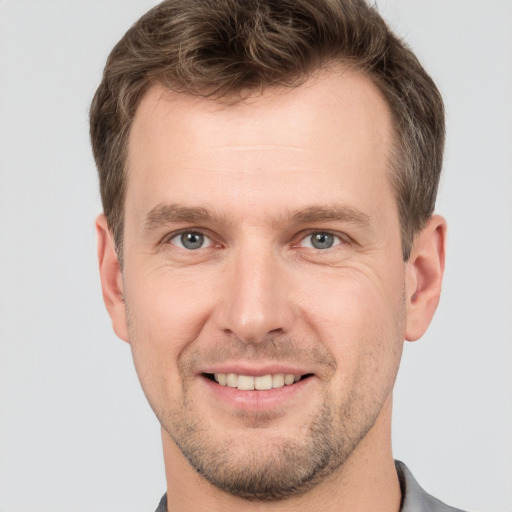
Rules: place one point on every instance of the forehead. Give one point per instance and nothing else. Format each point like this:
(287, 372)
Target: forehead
(336, 127)
(329, 99)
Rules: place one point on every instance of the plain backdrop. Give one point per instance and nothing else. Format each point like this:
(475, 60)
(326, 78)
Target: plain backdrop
(76, 434)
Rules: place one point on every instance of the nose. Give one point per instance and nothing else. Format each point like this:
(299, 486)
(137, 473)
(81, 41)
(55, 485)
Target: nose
(255, 302)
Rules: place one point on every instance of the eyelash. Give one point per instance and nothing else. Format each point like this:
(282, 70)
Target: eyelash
(178, 235)
(338, 239)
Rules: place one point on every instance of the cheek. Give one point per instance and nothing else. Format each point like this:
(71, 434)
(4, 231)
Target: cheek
(360, 319)
(165, 314)
(167, 307)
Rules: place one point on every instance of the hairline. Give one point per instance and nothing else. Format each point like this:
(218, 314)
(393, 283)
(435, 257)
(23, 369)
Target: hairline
(396, 153)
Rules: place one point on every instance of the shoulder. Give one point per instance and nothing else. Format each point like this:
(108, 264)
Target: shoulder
(162, 506)
(414, 498)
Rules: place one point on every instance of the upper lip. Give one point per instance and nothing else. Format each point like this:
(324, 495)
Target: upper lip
(254, 370)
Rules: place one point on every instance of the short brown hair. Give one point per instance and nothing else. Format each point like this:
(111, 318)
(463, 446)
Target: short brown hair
(217, 48)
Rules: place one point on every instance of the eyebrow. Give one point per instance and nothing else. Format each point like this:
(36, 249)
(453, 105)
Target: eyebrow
(164, 214)
(328, 213)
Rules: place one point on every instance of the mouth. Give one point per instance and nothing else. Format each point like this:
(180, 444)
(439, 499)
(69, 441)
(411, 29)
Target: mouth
(259, 383)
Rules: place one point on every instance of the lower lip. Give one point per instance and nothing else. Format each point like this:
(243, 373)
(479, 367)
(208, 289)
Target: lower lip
(258, 400)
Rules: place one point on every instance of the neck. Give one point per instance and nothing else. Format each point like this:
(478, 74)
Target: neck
(366, 482)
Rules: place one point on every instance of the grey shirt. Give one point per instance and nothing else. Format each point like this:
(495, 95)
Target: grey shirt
(414, 498)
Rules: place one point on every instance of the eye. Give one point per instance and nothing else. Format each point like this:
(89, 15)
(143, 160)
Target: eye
(191, 240)
(320, 240)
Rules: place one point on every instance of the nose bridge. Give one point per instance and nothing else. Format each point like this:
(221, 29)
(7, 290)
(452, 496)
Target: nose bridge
(255, 300)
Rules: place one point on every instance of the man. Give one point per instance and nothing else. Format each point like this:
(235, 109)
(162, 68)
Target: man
(268, 171)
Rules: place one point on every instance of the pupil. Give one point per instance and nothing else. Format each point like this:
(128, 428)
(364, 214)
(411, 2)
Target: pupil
(322, 240)
(192, 240)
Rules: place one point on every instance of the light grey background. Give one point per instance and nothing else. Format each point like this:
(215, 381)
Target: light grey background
(76, 434)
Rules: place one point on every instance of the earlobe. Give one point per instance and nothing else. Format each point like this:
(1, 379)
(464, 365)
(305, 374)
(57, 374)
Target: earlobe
(111, 278)
(424, 277)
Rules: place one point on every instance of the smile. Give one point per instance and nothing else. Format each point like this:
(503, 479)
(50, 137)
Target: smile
(261, 383)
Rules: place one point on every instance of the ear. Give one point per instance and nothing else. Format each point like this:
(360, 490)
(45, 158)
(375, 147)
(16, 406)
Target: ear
(111, 278)
(424, 275)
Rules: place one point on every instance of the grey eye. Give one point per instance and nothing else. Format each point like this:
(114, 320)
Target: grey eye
(190, 240)
(322, 240)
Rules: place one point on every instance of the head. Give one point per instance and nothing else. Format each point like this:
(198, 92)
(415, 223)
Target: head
(228, 48)
(268, 172)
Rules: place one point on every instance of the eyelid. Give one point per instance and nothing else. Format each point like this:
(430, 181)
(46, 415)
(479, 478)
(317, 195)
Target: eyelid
(340, 238)
(168, 239)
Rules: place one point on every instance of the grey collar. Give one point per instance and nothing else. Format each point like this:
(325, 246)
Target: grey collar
(414, 498)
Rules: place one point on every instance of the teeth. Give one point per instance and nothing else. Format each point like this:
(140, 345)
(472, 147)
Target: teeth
(262, 383)
(289, 379)
(246, 382)
(278, 380)
(231, 380)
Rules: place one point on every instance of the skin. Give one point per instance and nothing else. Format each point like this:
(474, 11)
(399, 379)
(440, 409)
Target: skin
(257, 179)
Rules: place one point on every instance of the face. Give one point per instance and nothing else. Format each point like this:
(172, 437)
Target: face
(263, 278)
